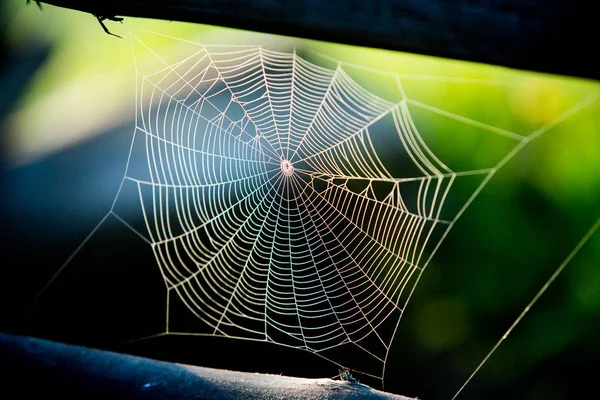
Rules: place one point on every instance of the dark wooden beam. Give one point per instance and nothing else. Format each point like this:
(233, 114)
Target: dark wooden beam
(549, 36)
(36, 368)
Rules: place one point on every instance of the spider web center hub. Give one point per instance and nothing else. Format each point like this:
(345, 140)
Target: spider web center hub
(287, 168)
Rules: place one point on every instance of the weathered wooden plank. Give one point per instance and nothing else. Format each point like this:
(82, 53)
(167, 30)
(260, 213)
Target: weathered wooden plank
(548, 36)
(60, 371)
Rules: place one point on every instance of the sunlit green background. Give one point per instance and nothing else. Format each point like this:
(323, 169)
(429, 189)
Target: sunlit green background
(500, 253)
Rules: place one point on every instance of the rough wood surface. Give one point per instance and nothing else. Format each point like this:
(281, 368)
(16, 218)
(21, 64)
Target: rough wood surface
(61, 371)
(548, 36)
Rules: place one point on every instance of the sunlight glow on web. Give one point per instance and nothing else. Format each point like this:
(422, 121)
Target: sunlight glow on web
(272, 215)
(272, 205)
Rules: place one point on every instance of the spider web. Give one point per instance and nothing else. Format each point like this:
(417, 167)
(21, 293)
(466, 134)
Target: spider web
(286, 203)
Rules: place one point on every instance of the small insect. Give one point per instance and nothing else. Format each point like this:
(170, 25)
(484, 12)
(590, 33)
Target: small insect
(102, 18)
(36, 2)
(346, 376)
